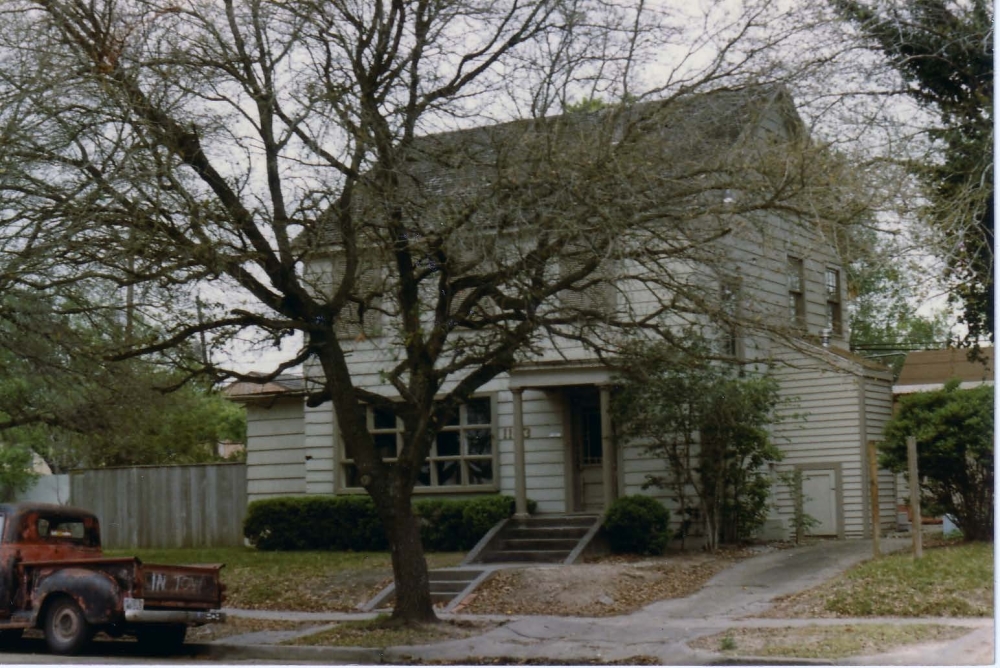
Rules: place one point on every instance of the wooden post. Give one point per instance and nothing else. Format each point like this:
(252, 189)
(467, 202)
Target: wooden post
(607, 449)
(873, 486)
(520, 486)
(916, 526)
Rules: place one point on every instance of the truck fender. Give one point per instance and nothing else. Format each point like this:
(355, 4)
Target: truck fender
(97, 593)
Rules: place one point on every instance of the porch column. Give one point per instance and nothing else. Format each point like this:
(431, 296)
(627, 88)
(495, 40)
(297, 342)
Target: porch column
(520, 487)
(607, 448)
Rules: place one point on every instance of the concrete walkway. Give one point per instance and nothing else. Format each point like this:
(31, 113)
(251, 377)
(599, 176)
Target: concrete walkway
(661, 630)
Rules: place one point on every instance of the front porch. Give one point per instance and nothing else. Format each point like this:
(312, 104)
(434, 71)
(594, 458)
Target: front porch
(591, 467)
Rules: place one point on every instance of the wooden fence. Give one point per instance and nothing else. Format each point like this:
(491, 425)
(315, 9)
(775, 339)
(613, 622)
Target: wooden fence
(165, 506)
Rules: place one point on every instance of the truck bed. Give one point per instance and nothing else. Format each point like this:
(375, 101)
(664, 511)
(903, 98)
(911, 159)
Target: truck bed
(159, 585)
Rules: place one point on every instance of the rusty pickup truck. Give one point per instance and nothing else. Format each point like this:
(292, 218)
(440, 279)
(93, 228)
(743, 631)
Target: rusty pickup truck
(53, 576)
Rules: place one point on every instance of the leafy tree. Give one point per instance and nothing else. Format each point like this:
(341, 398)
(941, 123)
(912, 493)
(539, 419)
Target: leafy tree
(319, 165)
(954, 432)
(16, 470)
(883, 320)
(943, 50)
(74, 408)
(710, 423)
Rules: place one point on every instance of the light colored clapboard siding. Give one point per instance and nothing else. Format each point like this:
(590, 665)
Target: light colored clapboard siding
(275, 449)
(319, 449)
(263, 428)
(261, 489)
(290, 442)
(878, 399)
(826, 430)
(273, 457)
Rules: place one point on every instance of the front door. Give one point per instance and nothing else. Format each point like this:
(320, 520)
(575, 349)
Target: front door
(588, 462)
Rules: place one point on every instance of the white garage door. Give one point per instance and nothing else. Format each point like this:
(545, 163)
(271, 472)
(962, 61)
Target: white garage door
(819, 490)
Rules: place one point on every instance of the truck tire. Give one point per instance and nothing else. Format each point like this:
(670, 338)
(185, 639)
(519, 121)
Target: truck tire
(66, 629)
(161, 638)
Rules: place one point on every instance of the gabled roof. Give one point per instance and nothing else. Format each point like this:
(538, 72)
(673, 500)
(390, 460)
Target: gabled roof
(283, 385)
(684, 135)
(926, 370)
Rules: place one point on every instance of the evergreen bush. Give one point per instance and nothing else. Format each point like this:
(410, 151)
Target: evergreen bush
(637, 525)
(351, 523)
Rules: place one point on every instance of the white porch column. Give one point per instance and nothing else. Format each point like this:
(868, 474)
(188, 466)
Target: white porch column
(607, 448)
(520, 486)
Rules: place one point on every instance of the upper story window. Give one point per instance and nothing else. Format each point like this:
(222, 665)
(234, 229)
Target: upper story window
(463, 456)
(834, 312)
(361, 315)
(731, 343)
(796, 292)
(596, 292)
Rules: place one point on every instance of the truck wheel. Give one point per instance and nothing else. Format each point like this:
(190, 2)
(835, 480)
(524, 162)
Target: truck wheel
(66, 629)
(161, 638)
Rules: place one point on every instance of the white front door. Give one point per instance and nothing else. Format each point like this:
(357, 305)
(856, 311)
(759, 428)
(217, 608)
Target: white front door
(819, 500)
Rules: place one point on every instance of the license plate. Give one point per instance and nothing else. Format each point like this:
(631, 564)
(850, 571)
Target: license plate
(133, 604)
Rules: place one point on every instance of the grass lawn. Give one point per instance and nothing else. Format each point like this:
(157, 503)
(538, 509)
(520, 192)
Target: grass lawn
(949, 581)
(952, 580)
(307, 581)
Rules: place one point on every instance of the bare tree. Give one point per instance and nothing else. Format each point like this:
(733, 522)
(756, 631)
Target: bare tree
(325, 165)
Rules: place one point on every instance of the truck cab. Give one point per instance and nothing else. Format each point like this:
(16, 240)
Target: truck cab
(54, 576)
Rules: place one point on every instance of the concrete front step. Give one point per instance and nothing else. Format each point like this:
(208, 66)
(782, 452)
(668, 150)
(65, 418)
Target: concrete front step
(445, 586)
(466, 574)
(448, 586)
(569, 533)
(526, 556)
(521, 544)
(537, 539)
(585, 521)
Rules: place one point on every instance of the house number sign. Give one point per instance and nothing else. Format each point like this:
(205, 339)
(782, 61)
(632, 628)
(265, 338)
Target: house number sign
(507, 433)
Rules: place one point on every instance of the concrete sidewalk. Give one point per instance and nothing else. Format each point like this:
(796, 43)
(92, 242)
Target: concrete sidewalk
(661, 630)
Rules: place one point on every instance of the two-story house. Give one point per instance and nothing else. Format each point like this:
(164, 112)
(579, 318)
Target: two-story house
(543, 431)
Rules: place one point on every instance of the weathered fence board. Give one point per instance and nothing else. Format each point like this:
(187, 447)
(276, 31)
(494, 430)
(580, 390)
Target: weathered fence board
(165, 506)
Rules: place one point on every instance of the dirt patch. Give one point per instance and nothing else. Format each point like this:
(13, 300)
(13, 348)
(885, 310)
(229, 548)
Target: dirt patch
(612, 586)
(237, 626)
(637, 660)
(375, 633)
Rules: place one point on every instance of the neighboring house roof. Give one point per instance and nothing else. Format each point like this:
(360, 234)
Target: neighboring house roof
(283, 385)
(926, 370)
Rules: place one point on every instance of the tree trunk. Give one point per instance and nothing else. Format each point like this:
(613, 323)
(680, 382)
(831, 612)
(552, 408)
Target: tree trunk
(409, 566)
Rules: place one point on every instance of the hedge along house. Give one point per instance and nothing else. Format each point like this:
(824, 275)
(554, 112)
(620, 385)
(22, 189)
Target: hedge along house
(766, 289)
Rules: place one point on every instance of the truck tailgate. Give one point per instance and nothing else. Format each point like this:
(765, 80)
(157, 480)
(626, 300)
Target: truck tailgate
(188, 586)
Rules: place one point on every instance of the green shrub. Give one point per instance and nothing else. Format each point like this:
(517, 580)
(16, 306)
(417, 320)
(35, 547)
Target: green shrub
(637, 525)
(314, 523)
(350, 522)
(441, 526)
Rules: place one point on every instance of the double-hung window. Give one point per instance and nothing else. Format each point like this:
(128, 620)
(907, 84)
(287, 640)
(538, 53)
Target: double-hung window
(796, 293)
(731, 343)
(834, 314)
